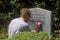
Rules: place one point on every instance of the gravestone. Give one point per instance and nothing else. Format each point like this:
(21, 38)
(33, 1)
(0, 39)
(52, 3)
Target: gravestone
(43, 16)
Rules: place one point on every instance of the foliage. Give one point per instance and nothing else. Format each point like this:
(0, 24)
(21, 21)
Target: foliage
(33, 36)
(3, 34)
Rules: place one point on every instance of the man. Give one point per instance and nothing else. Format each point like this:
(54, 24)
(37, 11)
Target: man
(20, 24)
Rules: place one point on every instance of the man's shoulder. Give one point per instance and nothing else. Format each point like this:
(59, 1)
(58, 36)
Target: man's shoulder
(17, 20)
(14, 20)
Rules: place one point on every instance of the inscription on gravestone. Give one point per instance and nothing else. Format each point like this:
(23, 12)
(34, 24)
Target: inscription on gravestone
(43, 16)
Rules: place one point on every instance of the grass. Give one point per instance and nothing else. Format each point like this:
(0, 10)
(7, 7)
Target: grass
(33, 36)
(27, 36)
(3, 34)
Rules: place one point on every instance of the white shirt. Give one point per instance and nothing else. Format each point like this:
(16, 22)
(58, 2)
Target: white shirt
(16, 26)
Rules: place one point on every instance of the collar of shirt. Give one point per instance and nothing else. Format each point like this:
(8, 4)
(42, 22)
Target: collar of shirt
(21, 18)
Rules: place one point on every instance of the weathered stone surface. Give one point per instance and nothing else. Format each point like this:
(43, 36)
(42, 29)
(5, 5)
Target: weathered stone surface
(43, 16)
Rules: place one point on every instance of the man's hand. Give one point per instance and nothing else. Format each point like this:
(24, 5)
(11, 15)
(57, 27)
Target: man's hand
(37, 25)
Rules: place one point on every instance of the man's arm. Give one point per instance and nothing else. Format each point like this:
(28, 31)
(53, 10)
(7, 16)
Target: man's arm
(12, 28)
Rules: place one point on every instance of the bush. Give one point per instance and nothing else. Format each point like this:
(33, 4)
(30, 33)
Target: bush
(32, 36)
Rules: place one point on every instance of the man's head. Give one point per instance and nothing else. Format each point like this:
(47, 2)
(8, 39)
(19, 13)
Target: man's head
(25, 13)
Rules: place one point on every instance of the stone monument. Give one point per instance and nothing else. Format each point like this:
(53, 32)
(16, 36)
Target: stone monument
(43, 16)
